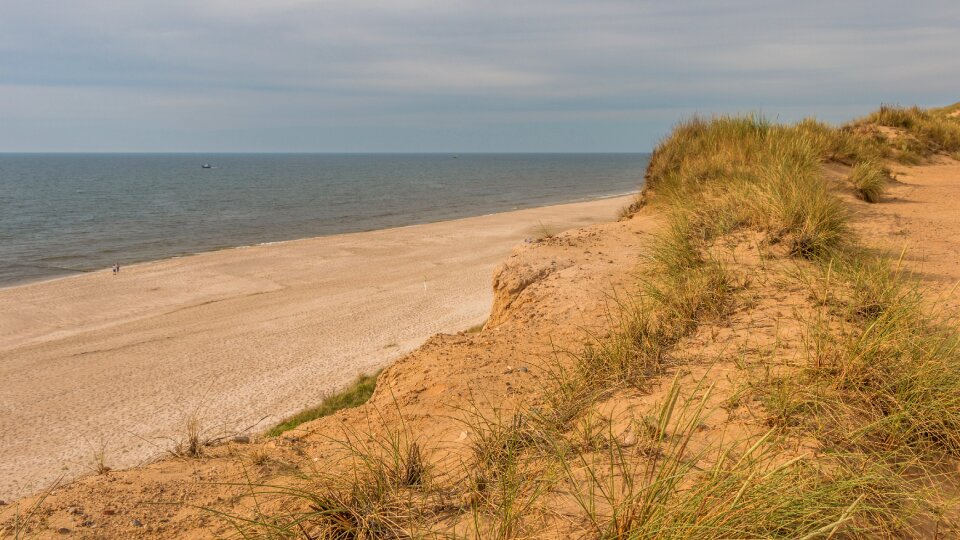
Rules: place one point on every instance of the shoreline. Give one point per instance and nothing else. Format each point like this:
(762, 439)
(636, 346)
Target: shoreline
(81, 273)
(235, 335)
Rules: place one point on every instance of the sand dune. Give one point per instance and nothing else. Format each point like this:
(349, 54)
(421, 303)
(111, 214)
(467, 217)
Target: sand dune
(233, 336)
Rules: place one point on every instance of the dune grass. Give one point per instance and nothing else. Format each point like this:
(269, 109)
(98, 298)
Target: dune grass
(869, 179)
(879, 392)
(928, 131)
(946, 111)
(882, 371)
(379, 490)
(732, 490)
(711, 179)
(883, 382)
(734, 172)
(356, 394)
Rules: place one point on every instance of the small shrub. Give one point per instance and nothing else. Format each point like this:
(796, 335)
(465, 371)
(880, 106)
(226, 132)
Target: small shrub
(497, 445)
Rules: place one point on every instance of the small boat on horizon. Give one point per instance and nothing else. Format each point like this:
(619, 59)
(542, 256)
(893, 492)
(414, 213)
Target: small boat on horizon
(207, 166)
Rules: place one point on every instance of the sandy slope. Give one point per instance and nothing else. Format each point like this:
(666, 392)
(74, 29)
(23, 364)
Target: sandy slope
(919, 217)
(234, 335)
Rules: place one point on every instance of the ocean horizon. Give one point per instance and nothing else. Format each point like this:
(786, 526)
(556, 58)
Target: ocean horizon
(63, 214)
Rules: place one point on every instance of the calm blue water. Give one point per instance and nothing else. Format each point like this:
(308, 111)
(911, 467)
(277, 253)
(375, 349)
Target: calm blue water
(67, 213)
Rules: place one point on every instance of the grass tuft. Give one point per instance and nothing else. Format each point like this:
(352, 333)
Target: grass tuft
(869, 178)
(381, 487)
(356, 394)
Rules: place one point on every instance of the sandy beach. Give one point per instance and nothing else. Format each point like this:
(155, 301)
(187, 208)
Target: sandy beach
(236, 338)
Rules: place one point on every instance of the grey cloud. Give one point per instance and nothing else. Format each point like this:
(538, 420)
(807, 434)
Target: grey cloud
(431, 74)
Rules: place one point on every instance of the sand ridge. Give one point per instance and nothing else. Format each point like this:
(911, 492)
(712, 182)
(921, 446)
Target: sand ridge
(237, 337)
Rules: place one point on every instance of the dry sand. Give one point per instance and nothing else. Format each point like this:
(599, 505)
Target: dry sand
(920, 218)
(233, 336)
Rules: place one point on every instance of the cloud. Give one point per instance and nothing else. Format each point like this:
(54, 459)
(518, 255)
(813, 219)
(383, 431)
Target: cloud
(191, 75)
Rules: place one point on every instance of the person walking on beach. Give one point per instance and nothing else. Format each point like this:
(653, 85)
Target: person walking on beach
(116, 268)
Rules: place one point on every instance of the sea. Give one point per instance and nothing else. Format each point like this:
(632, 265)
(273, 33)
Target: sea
(64, 214)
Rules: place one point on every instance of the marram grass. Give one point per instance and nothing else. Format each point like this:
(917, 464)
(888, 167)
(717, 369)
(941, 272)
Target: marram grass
(882, 377)
(869, 179)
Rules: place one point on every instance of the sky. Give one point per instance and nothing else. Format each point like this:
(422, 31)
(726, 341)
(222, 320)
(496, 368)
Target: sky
(450, 75)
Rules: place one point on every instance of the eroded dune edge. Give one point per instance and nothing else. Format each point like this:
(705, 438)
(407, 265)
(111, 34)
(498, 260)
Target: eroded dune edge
(763, 347)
